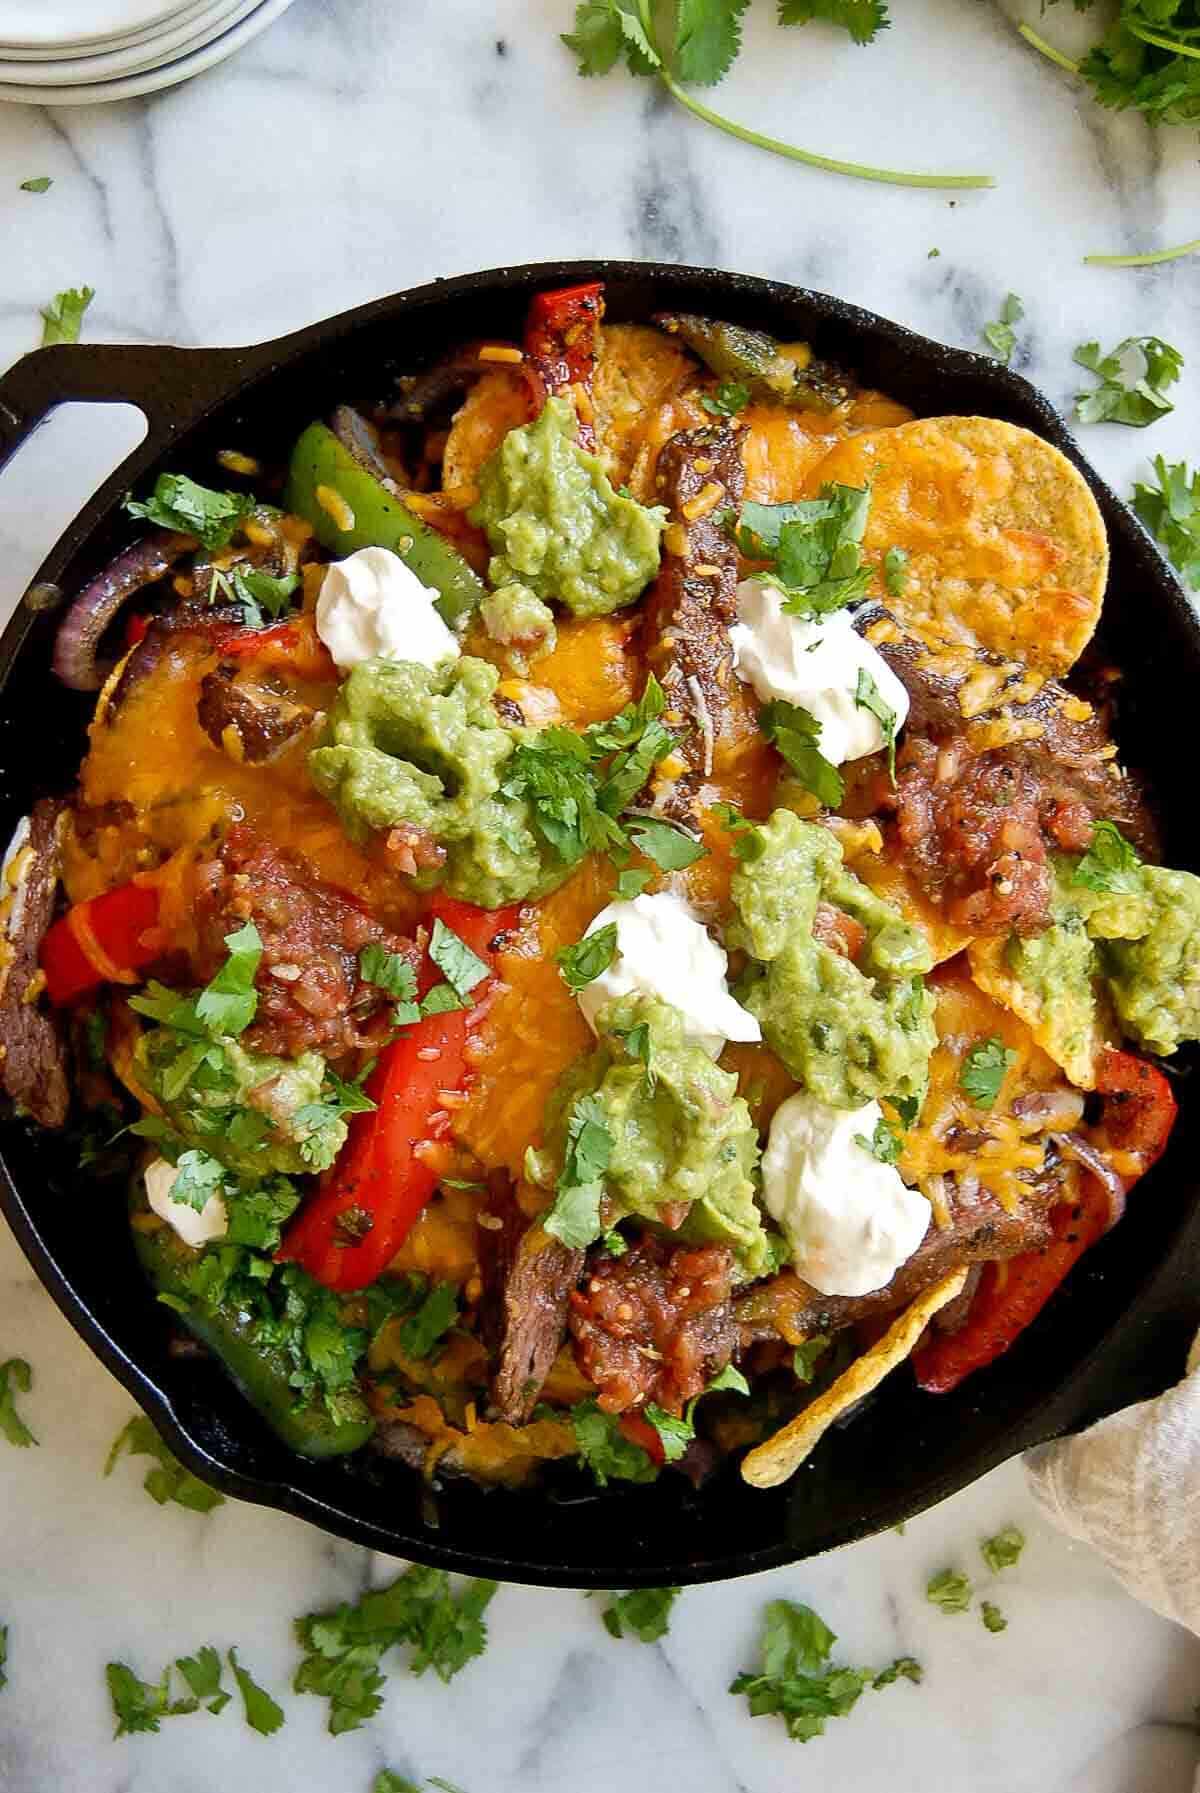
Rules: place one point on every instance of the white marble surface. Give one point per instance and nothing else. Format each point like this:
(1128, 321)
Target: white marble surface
(360, 146)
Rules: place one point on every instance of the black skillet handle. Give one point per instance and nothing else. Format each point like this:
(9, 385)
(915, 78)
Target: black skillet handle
(172, 387)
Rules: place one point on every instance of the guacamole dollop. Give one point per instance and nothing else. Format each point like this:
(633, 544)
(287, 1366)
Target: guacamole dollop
(407, 743)
(256, 1113)
(555, 523)
(848, 1031)
(680, 1131)
(1154, 980)
(1058, 977)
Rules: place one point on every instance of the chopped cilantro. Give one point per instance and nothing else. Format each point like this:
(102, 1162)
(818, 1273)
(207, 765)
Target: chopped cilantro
(813, 547)
(796, 734)
(318, 1125)
(199, 1177)
(950, 1590)
(729, 398)
(669, 846)
(646, 1613)
(1110, 864)
(1003, 1550)
(170, 1481)
(895, 571)
(907, 1107)
(202, 1672)
(16, 1377)
(574, 1216)
(883, 1143)
(344, 1647)
(461, 968)
(178, 503)
(904, 1667)
(437, 1313)
(675, 1433)
(137, 1705)
(1171, 512)
(638, 1044)
(1138, 400)
(1000, 336)
(228, 1004)
(730, 1380)
(41, 183)
(553, 772)
(263, 1714)
(867, 697)
(263, 594)
(389, 972)
(613, 1244)
(582, 963)
(807, 1355)
(443, 999)
(983, 1071)
(63, 317)
(605, 1448)
(992, 1617)
(631, 884)
(797, 1682)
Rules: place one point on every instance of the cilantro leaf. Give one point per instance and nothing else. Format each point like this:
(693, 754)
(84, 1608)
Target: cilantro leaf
(229, 1003)
(553, 773)
(582, 963)
(638, 1044)
(796, 734)
(1000, 336)
(431, 1322)
(1171, 512)
(992, 1617)
(895, 571)
(605, 31)
(574, 1216)
(1110, 865)
(1003, 1550)
(178, 503)
(730, 398)
(605, 1448)
(613, 1244)
(440, 1000)
(387, 1782)
(867, 697)
(796, 1680)
(883, 1143)
(631, 884)
(1119, 398)
(41, 183)
(669, 846)
(863, 19)
(202, 1672)
(907, 1107)
(420, 1609)
(170, 1481)
(263, 1714)
(675, 1434)
(646, 1613)
(199, 1177)
(730, 1380)
(62, 318)
(807, 1355)
(388, 971)
(813, 547)
(950, 1590)
(137, 1705)
(906, 1666)
(461, 968)
(16, 1377)
(708, 36)
(260, 591)
(983, 1071)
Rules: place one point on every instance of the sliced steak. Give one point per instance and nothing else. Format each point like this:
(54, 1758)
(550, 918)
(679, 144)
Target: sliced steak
(655, 1325)
(528, 1279)
(310, 990)
(33, 1061)
(248, 719)
(694, 599)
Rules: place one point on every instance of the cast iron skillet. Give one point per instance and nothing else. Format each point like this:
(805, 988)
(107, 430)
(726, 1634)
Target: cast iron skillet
(1116, 1333)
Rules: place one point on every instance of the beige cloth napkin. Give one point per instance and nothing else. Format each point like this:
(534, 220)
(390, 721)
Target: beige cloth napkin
(1130, 1487)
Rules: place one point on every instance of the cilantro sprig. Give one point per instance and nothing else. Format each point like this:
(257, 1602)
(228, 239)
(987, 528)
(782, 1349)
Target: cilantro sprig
(812, 547)
(62, 319)
(983, 1071)
(170, 1480)
(797, 733)
(644, 1613)
(1132, 377)
(1110, 865)
(704, 42)
(1146, 61)
(16, 1377)
(797, 1680)
(574, 1215)
(1171, 512)
(180, 504)
(999, 335)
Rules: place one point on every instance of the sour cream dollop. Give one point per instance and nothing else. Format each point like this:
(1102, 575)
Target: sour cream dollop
(850, 1220)
(373, 607)
(814, 664)
(194, 1227)
(664, 950)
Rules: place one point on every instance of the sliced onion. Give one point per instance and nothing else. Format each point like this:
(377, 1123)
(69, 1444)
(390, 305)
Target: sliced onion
(1043, 1109)
(361, 442)
(79, 635)
(1074, 1145)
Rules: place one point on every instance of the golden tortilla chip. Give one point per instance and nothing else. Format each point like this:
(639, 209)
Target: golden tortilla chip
(1007, 548)
(1073, 1029)
(777, 1459)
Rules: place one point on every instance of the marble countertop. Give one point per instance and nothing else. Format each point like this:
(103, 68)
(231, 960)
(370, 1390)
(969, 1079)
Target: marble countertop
(358, 147)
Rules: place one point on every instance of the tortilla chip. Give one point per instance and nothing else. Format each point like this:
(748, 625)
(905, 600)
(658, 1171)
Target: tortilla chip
(777, 1459)
(1073, 1034)
(890, 878)
(1007, 548)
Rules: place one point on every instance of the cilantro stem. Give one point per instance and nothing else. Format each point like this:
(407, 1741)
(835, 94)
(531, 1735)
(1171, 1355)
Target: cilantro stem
(1039, 43)
(1174, 44)
(1144, 261)
(857, 170)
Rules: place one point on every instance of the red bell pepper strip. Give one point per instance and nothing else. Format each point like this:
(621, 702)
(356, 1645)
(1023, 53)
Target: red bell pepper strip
(561, 335)
(108, 939)
(293, 645)
(1139, 1112)
(350, 1230)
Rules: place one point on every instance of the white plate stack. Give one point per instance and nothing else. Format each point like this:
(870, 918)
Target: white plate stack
(80, 52)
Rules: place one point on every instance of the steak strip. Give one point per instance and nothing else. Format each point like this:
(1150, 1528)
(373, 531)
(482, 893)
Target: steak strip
(528, 1279)
(694, 599)
(33, 1062)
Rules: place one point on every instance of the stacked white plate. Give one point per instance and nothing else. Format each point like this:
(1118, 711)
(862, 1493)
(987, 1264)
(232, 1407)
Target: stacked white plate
(80, 52)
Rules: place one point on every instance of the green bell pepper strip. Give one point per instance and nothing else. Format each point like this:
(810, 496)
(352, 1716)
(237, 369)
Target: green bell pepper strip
(380, 521)
(260, 1371)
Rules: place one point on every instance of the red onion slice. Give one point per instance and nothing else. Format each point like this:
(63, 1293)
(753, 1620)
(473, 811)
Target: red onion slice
(1074, 1145)
(80, 632)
